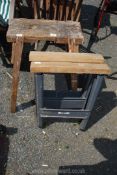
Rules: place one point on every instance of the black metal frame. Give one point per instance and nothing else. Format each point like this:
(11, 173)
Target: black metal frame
(69, 105)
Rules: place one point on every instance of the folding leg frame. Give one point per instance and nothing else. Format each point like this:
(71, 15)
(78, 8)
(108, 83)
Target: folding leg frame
(81, 106)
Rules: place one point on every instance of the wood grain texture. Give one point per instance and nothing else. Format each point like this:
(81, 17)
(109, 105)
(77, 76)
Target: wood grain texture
(52, 30)
(13, 52)
(16, 71)
(65, 57)
(35, 9)
(63, 67)
(72, 47)
(77, 10)
(60, 9)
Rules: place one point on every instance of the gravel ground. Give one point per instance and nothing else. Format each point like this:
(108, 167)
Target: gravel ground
(61, 148)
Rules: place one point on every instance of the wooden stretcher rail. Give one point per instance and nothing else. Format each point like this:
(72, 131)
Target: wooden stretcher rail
(36, 56)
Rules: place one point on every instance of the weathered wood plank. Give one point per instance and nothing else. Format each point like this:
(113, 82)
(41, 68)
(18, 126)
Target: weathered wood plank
(63, 67)
(38, 29)
(65, 56)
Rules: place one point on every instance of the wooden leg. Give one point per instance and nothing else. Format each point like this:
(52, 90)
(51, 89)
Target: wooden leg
(78, 10)
(13, 53)
(35, 9)
(73, 48)
(36, 15)
(16, 69)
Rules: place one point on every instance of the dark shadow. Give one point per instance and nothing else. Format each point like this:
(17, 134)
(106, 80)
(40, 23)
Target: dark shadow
(112, 76)
(25, 63)
(4, 146)
(66, 82)
(45, 46)
(5, 47)
(24, 9)
(108, 149)
(88, 13)
(85, 49)
(87, 16)
(47, 43)
(105, 103)
(25, 105)
(5, 61)
(64, 78)
(50, 121)
(88, 22)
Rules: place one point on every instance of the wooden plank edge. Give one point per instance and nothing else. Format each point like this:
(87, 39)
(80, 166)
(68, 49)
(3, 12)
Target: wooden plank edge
(76, 68)
(65, 56)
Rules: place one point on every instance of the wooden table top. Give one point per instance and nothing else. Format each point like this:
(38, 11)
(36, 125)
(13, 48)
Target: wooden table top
(40, 29)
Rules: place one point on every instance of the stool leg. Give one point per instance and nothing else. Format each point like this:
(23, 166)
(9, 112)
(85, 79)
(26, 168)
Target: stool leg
(34, 4)
(39, 98)
(77, 10)
(16, 69)
(92, 98)
(13, 53)
(73, 48)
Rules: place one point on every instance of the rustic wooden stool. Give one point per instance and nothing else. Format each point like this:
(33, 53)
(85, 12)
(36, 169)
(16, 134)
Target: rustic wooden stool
(27, 30)
(67, 104)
